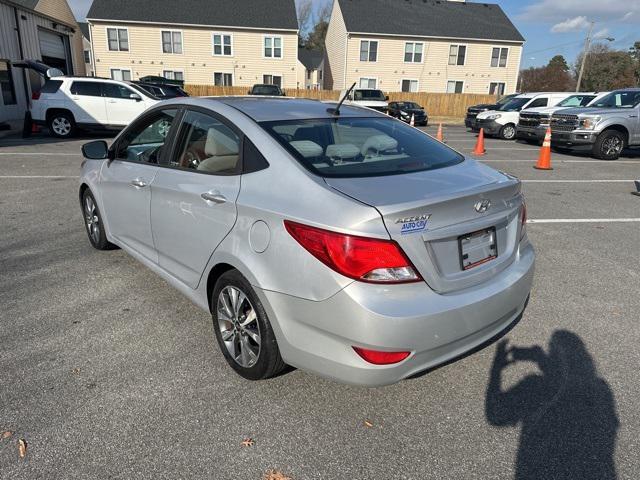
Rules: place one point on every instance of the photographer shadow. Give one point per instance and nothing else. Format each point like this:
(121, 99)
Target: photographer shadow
(567, 412)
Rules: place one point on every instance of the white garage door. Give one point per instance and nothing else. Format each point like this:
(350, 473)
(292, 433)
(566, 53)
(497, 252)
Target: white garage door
(51, 45)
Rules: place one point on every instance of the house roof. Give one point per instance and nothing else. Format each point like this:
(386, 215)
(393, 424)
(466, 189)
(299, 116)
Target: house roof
(30, 4)
(429, 18)
(84, 28)
(311, 59)
(272, 14)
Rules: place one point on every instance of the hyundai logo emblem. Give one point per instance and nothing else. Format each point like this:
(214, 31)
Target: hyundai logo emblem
(483, 205)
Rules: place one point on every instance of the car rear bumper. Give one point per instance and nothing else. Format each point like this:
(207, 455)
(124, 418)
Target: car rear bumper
(319, 336)
(531, 133)
(573, 139)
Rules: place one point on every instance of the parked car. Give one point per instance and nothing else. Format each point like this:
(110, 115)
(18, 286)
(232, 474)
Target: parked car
(405, 110)
(161, 80)
(65, 104)
(608, 126)
(267, 90)
(162, 91)
(347, 244)
(474, 110)
(502, 122)
(534, 122)
(367, 97)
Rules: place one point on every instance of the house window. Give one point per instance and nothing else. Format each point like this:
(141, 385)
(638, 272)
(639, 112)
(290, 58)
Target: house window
(6, 83)
(413, 52)
(87, 56)
(409, 85)
(118, 39)
(497, 88)
(221, 79)
(457, 54)
(368, 50)
(455, 86)
(272, 80)
(173, 75)
(308, 74)
(273, 47)
(499, 57)
(171, 41)
(222, 44)
(120, 74)
(368, 82)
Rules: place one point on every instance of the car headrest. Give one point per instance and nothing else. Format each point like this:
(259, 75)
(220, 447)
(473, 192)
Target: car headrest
(342, 150)
(220, 143)
(307, 148)
(379, 143)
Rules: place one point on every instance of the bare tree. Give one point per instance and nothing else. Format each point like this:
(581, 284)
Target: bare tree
(305, 17)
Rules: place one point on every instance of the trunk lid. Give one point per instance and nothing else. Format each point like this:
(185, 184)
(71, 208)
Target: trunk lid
(447, 197)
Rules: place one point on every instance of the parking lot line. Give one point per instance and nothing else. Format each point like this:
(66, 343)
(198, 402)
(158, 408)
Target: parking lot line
(584, 220)
(595, 162)
(43, 154)
(39, 176)
(576, 181)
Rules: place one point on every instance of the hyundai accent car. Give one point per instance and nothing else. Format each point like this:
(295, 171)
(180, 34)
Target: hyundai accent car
(334, 239)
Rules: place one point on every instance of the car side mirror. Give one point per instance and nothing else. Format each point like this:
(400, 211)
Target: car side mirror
(98, 150)
(136, 97)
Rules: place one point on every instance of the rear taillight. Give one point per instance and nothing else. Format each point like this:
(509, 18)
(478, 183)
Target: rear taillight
(365, 259)
(523, 220)
(35, 96)
(381, 358)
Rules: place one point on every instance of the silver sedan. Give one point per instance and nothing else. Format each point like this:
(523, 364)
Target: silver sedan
(346, 242)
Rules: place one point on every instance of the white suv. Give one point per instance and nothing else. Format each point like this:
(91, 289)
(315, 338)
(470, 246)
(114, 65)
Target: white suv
(67, 103)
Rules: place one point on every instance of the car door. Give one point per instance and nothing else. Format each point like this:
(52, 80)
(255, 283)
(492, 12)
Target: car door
(193, 200)
(122, 109)
(87, 103)
(125, 182)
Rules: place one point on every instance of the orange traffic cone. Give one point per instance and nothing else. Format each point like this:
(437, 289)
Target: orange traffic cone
(413, 120)
(480, 150)
(544, 161)
(440, 136)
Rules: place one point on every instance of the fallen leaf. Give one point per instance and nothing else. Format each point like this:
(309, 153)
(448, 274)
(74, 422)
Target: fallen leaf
(22, 448)
(75, 371)
(6, 434)
(248, 442)
(367, 423)
(275, 475)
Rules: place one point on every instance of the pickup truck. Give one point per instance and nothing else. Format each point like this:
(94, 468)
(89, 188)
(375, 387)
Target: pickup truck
(607, 126)
(534, 122)
(368, 97)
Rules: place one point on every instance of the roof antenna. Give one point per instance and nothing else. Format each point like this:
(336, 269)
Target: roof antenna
(336, 111)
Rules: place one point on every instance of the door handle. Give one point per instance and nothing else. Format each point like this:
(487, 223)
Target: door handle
(138, 183)
(111, 101)
(215, 197)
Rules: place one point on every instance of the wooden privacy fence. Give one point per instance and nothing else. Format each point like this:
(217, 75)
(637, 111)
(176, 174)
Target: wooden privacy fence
(436, 104)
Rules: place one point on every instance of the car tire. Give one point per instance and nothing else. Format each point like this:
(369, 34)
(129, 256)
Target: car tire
(61, 124)
(243, 330)
(508, 132)
(93, 223)
(609, 145)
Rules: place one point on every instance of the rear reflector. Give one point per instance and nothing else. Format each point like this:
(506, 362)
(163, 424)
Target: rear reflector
(523, 220)
(35, 96)
(366, 259)
(381, 358)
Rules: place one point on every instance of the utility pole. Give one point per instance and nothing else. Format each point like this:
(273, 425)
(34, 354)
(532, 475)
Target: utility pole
(587, 46)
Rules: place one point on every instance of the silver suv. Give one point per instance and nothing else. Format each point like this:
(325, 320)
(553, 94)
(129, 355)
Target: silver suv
(607, 126)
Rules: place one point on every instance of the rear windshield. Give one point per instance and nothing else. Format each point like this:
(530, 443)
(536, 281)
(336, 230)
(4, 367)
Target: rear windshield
(619, 100)
(266, 90)
(51, 86)
(360, 147)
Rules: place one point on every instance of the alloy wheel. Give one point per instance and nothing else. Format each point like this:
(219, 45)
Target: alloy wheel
(238, 324)
(612, 146)
(61, 126)
(91, 219)
(509, 132)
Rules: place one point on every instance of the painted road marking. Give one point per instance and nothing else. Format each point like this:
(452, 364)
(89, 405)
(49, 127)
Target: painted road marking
(595, 162)
(43, 154)
(576, 181)
(39, 176)
(584, 220)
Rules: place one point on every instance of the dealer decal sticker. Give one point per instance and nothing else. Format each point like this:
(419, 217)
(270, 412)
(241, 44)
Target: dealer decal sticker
(413, 224)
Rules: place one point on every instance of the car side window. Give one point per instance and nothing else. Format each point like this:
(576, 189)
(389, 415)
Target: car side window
(207, 145)
(113, 90)
(539, 102)
(145, 141)
(86, 89)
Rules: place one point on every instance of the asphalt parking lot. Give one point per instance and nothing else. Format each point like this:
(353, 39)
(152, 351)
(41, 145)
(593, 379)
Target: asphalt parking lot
(108, 372)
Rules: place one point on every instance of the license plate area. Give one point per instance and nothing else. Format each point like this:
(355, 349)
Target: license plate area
(477, 248)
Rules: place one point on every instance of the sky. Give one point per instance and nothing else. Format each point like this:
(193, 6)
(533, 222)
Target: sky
(551, 27)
